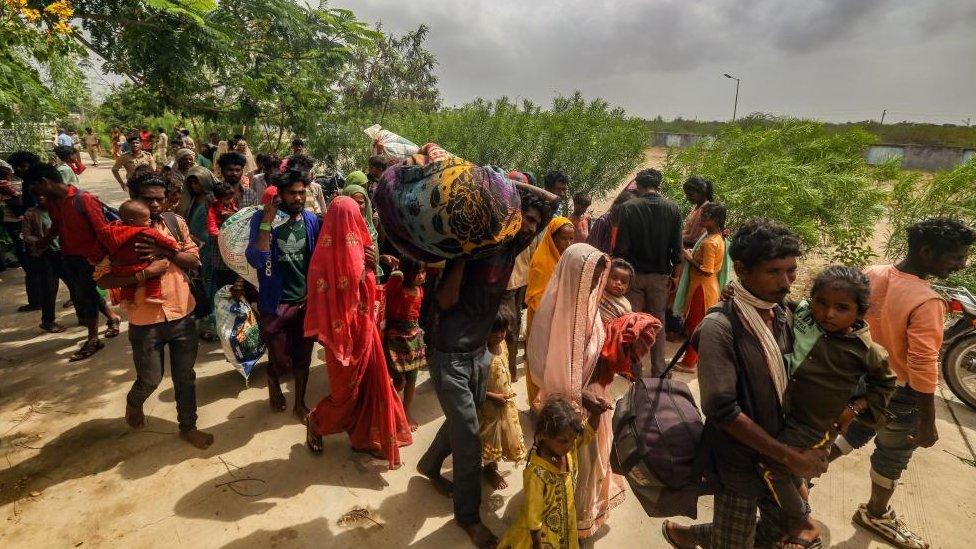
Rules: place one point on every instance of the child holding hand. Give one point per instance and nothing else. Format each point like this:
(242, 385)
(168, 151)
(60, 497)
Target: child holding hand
(548, 517)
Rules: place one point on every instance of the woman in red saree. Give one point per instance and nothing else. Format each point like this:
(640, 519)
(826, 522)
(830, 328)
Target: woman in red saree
(342, 295)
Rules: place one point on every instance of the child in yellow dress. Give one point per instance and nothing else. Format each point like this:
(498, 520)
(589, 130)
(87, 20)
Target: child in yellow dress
(501, 433)
(548, 517)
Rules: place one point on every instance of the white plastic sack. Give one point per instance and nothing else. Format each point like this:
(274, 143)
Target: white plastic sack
(234, 236)
(388, 143)
(237, 328)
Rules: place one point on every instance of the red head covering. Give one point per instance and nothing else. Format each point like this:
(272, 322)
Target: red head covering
(340, 290)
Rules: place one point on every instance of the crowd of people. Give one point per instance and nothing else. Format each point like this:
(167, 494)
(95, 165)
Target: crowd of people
(786, 387)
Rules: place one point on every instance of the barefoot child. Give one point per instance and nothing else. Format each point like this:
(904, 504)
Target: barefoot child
(120, 238)
(614, 301)
(403, 337)
(833, 350)
(548, 518)
(501, 433)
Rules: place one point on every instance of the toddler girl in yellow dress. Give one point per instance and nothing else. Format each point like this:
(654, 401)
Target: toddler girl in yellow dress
(548, 517)
(501, 433)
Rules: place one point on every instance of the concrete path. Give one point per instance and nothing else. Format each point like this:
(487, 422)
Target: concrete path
(72, 474)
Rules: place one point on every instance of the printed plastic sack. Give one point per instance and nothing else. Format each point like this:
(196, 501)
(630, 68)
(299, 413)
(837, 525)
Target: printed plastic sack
(234, 236)
(388, 143)
(237, 327)
(447, 209)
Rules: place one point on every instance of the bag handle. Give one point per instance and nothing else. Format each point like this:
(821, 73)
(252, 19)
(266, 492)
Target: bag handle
(677, 356)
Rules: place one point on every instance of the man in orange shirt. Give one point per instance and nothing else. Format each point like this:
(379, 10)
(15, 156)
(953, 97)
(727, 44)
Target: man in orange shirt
(907, 317)
(169, 322)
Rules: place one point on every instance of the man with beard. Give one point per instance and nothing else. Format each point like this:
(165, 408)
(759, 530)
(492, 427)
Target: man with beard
(459, 363)
(231, 165)
(743, 378)
(168, 322)
(281, 256)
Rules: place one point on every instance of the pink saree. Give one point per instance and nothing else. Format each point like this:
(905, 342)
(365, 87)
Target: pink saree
(564, 344)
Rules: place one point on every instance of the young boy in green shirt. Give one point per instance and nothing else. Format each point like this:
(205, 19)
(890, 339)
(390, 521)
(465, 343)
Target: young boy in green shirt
(832, 351)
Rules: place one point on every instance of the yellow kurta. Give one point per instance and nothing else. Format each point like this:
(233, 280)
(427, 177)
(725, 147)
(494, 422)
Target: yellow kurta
(709, 255)
(501, 432)
(550, 502)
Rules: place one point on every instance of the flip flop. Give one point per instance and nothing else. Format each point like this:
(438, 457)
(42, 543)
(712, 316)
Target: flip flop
(87, 350)
(312, 441)
(804, 543)
(667, 536)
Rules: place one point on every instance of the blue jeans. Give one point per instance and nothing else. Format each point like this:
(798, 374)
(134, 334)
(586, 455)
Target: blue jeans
(892, 450)
(148, 344)
(461, 380)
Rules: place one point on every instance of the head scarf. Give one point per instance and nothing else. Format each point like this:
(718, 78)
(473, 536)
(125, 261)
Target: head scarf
(341, 292)
(222, 147)
(250, 165)
(357, 178)
(567, 333)
(206, 179)
(203, 175)
(352, 189)
(184, 153)
(543, 263)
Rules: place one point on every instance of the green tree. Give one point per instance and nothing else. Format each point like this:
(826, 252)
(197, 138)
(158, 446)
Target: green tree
(33, 41)
(395, 71)
(795, 172)
(596, 145)
(915, 197)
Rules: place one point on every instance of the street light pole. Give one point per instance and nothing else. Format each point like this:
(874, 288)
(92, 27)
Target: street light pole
(735, 105)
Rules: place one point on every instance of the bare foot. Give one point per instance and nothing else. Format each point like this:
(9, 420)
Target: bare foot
(275, 397)
(480, 535)
(678, 536)
(491, 474)
(443, 486)
(301, 412)
(198, 438)
(413, 424)
(134, 416)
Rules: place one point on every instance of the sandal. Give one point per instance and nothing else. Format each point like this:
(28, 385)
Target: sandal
(112, 329)
(804, 543)
(312, 440)
(88, 349)
(667, 535)
(52, 327)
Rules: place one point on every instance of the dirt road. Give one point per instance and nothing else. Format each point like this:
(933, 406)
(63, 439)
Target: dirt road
(74, 475)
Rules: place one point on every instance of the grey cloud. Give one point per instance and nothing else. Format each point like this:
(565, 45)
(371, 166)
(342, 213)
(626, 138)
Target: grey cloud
(671, 53)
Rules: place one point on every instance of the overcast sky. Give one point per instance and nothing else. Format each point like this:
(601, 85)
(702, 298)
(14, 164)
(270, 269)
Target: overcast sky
(832, 60)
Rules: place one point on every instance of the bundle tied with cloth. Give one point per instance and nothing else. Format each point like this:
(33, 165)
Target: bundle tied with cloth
(435, 206)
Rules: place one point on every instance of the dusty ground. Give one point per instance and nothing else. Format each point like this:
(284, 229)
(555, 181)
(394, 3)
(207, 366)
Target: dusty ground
(73, 475)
